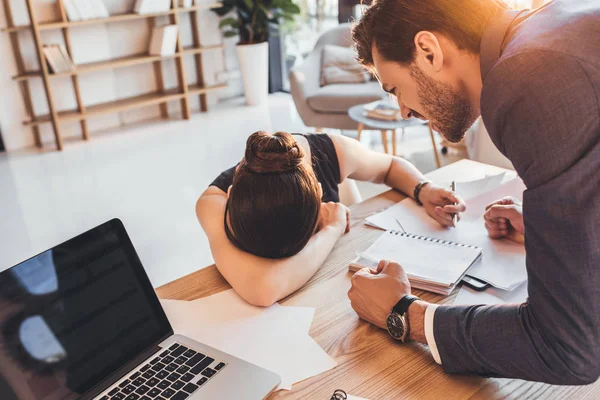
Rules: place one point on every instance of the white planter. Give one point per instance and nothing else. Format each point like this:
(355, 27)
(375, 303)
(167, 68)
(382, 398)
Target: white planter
(254, 64)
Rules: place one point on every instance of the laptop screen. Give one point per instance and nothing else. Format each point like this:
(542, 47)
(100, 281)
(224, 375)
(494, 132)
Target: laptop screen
(75, 314)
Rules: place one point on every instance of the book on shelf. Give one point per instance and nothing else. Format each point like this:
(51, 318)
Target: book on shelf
(71, 10)
(186, 3)
(152, 6)
(78, 10)
(65, 55)
(84, 8)
(99, 9)
(51, 59)
(383, 111)
(164, 40)
(58, 58)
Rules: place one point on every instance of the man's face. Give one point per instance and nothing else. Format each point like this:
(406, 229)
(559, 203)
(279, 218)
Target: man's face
(419, 95)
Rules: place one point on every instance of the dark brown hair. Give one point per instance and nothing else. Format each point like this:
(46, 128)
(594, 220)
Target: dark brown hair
(273, 207)
(392, 25)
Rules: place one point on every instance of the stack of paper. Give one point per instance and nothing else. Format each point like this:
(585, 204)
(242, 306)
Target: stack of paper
(383, 111)
(503, 262)
(430, 264)
(164, 40)
(275, 338)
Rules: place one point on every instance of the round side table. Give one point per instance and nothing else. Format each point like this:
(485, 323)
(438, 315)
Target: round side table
(357, 113)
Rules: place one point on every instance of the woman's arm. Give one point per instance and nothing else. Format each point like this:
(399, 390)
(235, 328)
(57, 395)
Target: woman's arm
(263, 281)
(360, 163)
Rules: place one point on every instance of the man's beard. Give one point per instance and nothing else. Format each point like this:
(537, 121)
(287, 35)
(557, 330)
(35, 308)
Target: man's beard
(450, 112)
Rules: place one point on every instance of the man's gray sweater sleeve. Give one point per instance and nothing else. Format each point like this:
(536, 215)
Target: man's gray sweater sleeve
(542, 112)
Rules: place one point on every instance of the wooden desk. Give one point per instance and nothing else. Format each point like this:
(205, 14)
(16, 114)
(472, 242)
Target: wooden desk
(370, 363)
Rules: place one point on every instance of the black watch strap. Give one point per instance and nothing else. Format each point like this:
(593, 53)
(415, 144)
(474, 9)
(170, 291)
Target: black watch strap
(402, 306)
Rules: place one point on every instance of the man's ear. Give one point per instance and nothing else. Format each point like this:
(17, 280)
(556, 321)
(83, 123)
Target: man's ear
(229, 191)
(429, 54)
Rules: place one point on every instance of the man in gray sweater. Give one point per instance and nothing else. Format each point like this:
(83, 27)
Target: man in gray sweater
(534, 77)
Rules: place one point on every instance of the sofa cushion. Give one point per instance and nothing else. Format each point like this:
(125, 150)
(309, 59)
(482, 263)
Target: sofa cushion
(338, 98)
(338, 65)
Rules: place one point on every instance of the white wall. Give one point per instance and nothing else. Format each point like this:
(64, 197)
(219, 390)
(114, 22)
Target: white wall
(102, 42)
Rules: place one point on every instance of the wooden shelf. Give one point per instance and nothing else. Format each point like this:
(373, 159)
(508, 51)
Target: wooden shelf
(27, 75)
(198, 50)
(129, 103)
(112, 18)
(81, 112)
(198, 89)
(128, 61)
(148, 99)
(121, 62)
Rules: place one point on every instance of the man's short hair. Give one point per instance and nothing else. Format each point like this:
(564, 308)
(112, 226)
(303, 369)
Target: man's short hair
(391, 25)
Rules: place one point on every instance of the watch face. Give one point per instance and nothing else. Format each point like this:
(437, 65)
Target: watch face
(395, 326)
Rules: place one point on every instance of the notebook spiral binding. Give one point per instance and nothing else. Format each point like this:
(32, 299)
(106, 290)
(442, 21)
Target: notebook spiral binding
(430, 239)
(339, 394)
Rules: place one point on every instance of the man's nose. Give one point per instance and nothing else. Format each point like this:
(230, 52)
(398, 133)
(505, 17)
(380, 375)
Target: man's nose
(405, 111)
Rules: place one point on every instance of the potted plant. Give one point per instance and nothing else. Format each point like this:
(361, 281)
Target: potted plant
(251, 23)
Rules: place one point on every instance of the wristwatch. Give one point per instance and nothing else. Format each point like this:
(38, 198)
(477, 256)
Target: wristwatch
(397, 321)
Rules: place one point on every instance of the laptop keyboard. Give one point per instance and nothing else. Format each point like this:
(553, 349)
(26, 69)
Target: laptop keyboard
(173, 375)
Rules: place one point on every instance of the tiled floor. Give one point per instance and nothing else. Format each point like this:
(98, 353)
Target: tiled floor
(150, 177)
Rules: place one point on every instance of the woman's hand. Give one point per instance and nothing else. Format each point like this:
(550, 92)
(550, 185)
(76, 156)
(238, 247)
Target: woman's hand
(336, 215)
(441, 204)
(504, 219)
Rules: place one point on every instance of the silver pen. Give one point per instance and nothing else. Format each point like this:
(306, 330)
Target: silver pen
(454, 215)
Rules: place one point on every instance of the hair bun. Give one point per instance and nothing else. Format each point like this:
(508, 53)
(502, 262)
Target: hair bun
(277, 153)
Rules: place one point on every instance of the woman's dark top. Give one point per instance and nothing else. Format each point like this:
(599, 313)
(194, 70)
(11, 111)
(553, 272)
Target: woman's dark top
(324, 161)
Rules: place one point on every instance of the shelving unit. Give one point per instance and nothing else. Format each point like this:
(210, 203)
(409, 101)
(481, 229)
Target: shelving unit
(161, 97)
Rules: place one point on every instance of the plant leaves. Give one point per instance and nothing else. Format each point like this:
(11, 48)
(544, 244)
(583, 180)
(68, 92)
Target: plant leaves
(266, 12)
(221, 11)
(243, 15)
(229, 22)
(253, 18)
(291, 8)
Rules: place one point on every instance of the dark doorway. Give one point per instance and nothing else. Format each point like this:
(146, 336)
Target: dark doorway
(275, 65)
(2, 148)
(346, 9)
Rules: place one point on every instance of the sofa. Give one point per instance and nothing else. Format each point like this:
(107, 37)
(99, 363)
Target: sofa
(327, 106)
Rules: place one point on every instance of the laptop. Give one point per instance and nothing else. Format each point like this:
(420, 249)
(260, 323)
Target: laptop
(82, 321)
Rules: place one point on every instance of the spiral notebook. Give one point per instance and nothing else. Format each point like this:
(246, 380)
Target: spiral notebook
(431, 264)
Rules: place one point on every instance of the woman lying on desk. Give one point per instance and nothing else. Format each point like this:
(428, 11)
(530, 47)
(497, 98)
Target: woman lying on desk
(272, 220)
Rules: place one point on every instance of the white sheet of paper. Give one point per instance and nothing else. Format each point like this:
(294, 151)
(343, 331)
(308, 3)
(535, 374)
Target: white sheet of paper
(468, 190)
(275, 338)
(350, 397)
(492, 296)
(503, 262)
